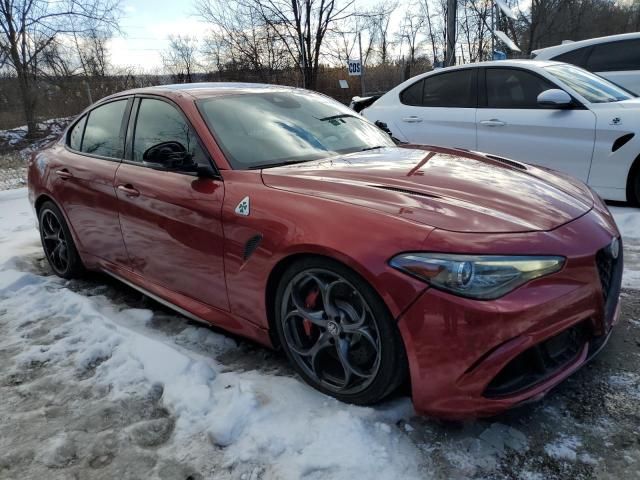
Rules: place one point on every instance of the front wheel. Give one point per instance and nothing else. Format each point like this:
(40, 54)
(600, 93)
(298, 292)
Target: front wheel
(634, 190)
(57, 242)
(337, 332)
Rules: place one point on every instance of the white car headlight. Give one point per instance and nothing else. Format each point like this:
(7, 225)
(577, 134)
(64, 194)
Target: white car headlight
(484, 277)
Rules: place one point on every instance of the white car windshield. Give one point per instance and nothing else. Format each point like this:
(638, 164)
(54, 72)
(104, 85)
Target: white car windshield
(593, 88)
(267, 129)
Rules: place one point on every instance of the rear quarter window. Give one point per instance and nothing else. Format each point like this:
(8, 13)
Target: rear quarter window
(75, 135)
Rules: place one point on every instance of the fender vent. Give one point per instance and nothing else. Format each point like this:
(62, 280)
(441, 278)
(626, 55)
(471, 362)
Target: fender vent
(622, 141)
(251, 245)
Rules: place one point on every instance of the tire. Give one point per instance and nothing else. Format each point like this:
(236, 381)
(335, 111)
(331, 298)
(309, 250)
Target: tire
(317, 301)
(57, 242)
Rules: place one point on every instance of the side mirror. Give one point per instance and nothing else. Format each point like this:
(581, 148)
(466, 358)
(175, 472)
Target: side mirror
(173, 156)
(169, 155)
(554, 97)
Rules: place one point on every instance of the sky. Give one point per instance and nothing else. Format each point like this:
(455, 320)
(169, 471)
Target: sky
(145, 26)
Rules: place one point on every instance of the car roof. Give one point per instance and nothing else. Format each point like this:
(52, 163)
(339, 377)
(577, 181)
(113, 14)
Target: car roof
(570, 45)
(525, 63)
(204, 89)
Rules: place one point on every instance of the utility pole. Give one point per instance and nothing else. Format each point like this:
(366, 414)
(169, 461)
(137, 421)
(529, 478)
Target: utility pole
(493, 29)
(450, 50)
(361, 64)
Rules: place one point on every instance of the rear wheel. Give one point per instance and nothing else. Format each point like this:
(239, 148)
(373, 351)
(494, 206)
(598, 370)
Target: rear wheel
(57, 242)
(337, 332)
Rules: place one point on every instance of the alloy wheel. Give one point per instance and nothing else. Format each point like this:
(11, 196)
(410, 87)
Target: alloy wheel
(54, 240)
(330, 331)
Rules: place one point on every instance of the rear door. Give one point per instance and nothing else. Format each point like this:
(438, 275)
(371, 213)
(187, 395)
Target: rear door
(440, 109)
(512, 124)
(171, 221)
(84, 170)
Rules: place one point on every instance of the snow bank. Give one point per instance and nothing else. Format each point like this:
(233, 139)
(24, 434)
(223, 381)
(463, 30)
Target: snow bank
(253, 417)
(628, 221)
(266, 419)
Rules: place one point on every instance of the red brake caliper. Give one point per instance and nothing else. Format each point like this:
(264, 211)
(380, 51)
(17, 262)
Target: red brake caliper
(310, 302)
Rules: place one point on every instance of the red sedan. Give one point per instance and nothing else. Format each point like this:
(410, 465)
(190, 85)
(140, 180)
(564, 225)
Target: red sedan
(280, 215)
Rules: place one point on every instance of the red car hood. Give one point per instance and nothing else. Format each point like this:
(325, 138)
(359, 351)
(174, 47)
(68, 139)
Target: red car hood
(448, 189)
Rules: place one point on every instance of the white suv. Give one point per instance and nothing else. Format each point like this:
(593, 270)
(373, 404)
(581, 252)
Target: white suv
(545, 113)
(616, 57)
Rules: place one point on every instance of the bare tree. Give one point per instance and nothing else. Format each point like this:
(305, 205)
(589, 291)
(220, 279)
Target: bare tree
(410, 31)
(180, 58)
(381, 33)
(302, 26)
(241, 39)
(30, 28)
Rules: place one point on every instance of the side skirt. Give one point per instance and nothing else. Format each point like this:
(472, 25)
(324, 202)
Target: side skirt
(207, 315)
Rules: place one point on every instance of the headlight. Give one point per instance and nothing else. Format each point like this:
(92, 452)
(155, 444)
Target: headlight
(483, 277)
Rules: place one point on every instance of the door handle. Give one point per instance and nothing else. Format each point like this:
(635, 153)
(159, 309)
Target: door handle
(494, 122)
(412, 119)
(64, 174)
(128, 190)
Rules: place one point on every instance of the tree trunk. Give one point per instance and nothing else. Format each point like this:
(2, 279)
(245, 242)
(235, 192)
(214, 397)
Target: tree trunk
(28, 102)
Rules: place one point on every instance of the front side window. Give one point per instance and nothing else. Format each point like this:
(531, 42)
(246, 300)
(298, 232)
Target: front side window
(511, 88)
(159, 122)
(593, 88)
(258, 130)
(615, 56)
(103, 134)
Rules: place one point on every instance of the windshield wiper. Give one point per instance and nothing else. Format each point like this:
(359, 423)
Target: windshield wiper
(276, 164)
(336, 117)
(373, 148)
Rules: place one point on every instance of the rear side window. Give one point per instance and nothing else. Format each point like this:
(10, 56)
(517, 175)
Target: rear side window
(574, 57)
(160, 122)
(511, 88)
(75, 136)
(615, 56)
(103, 134)
(413, 94)
(451, 89)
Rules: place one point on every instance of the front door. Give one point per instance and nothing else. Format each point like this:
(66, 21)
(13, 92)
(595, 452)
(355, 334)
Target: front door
(513, 125)
(171, 221)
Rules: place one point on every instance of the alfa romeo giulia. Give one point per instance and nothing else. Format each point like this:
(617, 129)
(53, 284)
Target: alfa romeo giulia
(282, 216)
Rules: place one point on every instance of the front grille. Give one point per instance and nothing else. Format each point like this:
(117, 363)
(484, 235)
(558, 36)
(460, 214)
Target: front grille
(538, 363)
(610, 273)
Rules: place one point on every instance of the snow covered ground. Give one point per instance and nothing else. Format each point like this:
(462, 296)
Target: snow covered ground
(99, 382)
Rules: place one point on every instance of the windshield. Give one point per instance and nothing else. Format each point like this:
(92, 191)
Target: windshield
(593, 88)
(265, 129)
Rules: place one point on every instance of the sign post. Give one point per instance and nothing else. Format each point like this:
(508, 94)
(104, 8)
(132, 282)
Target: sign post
(355, 67)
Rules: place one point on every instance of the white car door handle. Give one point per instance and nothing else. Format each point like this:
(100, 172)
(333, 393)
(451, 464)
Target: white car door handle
(494, 122)
(412, 119)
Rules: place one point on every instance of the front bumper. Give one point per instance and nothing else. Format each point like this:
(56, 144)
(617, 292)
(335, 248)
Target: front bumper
(476, 358)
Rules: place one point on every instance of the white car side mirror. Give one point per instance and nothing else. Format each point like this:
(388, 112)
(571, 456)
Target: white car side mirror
(554, 97)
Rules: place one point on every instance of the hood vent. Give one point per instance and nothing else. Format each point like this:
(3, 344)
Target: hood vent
(506, 161)
(403, 190)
